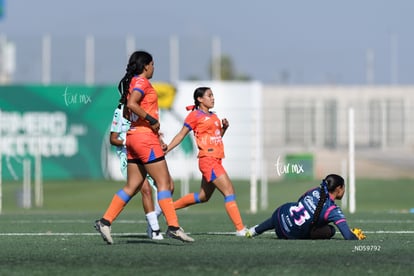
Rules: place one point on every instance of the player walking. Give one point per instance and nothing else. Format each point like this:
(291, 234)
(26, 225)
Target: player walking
(119, 127)
(145, 153)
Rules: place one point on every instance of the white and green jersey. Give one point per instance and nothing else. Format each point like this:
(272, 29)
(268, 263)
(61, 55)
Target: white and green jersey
(121, 125)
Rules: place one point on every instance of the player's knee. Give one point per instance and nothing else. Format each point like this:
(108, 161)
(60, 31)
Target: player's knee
(146, 191)
(203, 199)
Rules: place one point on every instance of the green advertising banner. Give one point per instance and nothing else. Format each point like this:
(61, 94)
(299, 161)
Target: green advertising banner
(67, 125)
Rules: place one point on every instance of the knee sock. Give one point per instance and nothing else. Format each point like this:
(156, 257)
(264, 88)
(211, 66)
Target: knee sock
(153, 220)
(233, 211)
(118, 203)
(157, 207)
(167, 206)
(187, 200)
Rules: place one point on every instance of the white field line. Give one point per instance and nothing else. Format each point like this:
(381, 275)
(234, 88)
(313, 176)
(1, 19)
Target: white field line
(124, 221)
(69, 221)
(144, 234)
(62, 221)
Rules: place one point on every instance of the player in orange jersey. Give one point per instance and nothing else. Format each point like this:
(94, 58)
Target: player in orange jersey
(145, 153)
(208, 131)
(117, 137)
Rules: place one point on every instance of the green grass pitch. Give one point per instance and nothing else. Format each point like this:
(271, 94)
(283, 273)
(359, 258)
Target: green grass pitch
(59, 239)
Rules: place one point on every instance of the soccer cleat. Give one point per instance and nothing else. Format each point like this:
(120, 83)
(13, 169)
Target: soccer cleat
(105, 231)
(250, 233)
(156, 235)
(242, 233)
(178, 234)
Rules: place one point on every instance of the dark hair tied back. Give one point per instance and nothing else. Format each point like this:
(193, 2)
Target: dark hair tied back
(136, 65)
(328, 184)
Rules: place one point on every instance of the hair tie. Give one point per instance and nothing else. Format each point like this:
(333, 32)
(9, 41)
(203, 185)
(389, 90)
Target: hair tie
(190, 107)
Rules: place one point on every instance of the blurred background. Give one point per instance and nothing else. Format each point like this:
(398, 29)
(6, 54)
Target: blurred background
(309, 87)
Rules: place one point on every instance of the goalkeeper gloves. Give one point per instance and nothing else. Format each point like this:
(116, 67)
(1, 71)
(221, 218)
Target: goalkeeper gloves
(358, 233)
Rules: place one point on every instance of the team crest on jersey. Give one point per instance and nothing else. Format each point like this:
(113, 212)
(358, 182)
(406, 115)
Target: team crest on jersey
(316, 194)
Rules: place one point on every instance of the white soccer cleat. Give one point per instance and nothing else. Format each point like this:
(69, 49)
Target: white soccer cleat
(156, 235)
(251, 232)
(242, 233)
(105, 231)
(179, 234)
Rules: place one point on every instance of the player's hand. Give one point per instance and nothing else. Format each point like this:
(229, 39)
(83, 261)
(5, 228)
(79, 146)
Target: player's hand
(359, 233)
(156, 127)
(225, 124)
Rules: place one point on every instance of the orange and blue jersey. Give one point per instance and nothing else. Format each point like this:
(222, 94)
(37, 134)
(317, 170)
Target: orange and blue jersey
(143, 145)
(148, 102)
(207, 132)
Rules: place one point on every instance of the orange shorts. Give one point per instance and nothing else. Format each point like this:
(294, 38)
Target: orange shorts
(143, 147)
(211, 168)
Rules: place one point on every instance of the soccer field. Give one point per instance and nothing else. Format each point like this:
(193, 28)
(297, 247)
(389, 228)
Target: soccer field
(59, 238)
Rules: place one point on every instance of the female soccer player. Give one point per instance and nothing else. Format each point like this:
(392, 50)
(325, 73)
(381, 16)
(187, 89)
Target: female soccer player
(145, 154)
(309, 218)
(117, 137)
(208, 131)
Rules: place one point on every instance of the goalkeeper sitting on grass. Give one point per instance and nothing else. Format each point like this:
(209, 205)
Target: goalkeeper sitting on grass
(309, 218)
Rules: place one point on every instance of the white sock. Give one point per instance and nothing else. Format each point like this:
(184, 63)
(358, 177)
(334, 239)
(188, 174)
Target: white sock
(153, 220)
(158, 210)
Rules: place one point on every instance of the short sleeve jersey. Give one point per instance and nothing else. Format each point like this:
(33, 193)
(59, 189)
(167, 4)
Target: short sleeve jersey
(296, 218)
(207, 132)
(119, 124)
(148, 102)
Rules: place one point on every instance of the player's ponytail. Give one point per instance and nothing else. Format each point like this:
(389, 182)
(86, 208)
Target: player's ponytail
(136, 65)
(328, 184)
(322, 198)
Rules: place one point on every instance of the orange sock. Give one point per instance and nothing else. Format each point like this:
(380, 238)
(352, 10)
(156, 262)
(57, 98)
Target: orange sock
(167, 206)
(118, 203)
(234, 214)
(187, 200)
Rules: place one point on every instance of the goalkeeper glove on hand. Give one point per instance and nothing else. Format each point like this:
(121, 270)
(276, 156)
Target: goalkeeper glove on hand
(359, 233)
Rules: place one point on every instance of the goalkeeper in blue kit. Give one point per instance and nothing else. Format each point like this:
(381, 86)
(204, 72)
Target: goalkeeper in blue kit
(311, 215)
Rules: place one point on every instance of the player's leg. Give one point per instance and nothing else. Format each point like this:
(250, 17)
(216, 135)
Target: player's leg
(202, 196)
(225, 186)
(119, 200)
(159, 172)
(153, 229)
(154, 188)
(264, 226)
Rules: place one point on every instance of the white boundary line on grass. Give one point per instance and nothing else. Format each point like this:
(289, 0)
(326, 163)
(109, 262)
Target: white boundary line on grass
(144, 234)
(128, 221)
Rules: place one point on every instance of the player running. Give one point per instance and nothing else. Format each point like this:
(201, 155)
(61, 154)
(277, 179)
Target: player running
(208, 131)
(309, 218)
